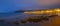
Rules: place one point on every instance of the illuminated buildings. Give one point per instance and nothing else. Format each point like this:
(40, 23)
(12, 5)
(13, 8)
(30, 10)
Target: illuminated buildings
(47, 12)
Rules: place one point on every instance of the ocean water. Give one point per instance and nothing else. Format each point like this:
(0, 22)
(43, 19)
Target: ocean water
(9, 16)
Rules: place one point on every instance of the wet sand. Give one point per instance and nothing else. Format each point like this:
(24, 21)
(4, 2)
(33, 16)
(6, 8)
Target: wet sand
(53, 21)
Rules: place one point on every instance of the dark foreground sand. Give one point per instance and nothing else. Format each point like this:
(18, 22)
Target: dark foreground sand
(54, 21)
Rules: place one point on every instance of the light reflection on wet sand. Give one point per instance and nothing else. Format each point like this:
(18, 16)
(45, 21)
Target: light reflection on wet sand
(52, 22)
(55, 21)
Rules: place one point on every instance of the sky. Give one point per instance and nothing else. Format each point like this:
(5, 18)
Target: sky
(7, 6)
(13, 5)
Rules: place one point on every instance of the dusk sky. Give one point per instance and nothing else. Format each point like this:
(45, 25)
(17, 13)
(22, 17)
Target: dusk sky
(12, 5)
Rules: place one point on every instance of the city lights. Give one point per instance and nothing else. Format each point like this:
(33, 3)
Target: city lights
(52, 11)
(58, 10)
(48, 11)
